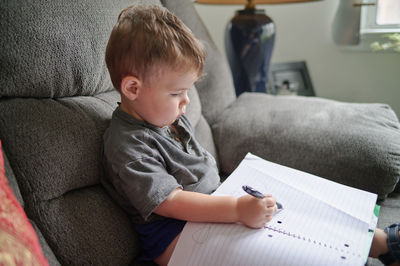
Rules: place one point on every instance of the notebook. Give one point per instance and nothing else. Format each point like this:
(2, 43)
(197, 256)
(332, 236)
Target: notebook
(322, 222)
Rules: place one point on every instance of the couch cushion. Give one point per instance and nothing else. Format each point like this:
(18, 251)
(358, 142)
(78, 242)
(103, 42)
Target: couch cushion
(204, 136)
(55, 148)
(85, 227)
(202, 129)
(54, 145)
(56, 48)
(354, 144)
(19, 243)
(193, 110)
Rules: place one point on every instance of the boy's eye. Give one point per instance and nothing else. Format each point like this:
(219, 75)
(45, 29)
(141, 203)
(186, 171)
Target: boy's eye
(176, 94)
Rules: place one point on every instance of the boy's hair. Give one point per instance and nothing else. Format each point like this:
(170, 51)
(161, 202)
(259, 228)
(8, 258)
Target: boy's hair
(147, 37)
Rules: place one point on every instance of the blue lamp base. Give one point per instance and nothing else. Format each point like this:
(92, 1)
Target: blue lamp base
(249, 41)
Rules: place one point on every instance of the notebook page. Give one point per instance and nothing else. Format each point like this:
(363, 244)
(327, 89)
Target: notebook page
(303, 215)
(308, 231)
(334, 194)
(233, 244)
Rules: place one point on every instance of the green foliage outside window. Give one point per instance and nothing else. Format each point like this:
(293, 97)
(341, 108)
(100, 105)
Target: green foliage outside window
(393, 43)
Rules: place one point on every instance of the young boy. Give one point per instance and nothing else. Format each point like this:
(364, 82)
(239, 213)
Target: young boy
(155, 168)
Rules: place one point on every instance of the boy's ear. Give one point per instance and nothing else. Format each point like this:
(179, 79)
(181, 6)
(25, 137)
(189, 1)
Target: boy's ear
(130, 87)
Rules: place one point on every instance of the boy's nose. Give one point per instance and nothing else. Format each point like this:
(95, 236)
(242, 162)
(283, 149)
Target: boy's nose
(183, 104)
(185, 100)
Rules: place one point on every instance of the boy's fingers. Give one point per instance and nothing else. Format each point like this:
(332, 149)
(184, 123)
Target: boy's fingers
(270, 201)
(271, 210)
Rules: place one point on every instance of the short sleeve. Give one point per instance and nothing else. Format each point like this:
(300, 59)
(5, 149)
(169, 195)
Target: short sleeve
(146, 184)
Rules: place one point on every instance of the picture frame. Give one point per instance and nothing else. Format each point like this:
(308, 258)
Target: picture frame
(290, 78)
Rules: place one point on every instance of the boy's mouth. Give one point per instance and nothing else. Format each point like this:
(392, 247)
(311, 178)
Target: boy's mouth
(179, 116)
(183, 111)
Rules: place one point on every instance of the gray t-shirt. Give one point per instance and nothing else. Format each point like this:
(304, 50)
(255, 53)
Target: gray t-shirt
(145, 163)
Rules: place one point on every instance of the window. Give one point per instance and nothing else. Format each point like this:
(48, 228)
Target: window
(388, 12)
(383, 17)
(365, 25)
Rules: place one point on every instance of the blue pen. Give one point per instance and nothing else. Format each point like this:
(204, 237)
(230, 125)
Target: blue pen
(255, 193)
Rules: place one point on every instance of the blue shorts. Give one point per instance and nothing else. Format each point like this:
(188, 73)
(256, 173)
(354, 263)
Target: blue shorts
(155, 237)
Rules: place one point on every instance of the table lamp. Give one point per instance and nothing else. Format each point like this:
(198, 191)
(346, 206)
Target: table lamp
(249, 41)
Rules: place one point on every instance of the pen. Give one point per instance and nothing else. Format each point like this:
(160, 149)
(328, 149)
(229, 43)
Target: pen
(255, 193)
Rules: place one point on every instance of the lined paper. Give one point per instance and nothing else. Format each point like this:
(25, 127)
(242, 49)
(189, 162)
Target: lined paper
(311, 185)
(231, 244)
(321, 223)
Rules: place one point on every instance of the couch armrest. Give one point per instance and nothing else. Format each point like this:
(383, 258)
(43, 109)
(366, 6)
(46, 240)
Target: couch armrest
(353, 144)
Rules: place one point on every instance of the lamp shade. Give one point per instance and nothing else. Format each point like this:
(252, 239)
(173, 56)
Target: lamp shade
(240, 2)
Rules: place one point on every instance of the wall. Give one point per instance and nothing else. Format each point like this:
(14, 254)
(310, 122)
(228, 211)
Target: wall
(304, 33)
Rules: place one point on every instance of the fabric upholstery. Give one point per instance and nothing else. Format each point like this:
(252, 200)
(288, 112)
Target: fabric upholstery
(85, 227)
(202, 129)
(44, 131)
(193, 110)
(353, 144)
(204, 136)
(56, 58)
(55, 145)
(19, 243)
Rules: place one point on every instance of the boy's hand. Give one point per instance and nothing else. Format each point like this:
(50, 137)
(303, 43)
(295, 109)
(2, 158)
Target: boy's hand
(254, 212)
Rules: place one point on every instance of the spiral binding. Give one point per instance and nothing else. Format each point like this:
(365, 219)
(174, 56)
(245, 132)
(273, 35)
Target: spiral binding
(316, 242)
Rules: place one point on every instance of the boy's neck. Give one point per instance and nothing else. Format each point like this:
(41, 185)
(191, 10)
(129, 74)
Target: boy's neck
(131, 112)
(124, 107)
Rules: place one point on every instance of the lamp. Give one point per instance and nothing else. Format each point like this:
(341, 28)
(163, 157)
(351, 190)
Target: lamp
(249, 42)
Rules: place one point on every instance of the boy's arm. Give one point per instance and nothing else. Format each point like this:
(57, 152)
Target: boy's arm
(198, 207)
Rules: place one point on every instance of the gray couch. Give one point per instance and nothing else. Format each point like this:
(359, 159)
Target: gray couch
(56, 100)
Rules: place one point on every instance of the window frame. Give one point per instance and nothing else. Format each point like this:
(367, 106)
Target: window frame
(369, 26)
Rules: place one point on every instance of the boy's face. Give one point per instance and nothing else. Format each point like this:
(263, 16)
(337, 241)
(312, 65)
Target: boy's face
(163, 99)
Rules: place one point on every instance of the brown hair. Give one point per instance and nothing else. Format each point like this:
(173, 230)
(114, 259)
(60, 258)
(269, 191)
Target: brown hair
(145, 37)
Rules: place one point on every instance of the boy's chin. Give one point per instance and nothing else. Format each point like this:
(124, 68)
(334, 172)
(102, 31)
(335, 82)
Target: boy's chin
(167, 124)
(179, 116)
(171, 122)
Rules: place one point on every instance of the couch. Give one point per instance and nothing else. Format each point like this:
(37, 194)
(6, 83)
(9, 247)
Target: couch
(56, 100)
